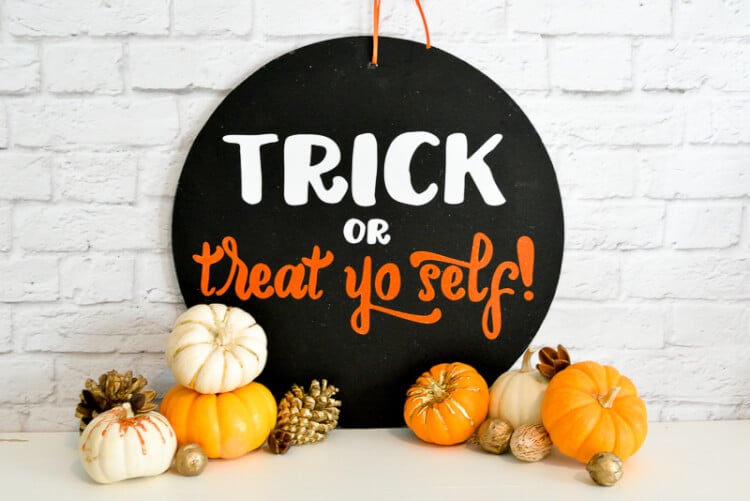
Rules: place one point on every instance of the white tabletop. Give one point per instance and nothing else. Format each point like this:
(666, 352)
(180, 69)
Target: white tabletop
(689, 460)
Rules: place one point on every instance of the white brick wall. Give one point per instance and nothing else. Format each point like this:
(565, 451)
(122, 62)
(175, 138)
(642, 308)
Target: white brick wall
(643, 104)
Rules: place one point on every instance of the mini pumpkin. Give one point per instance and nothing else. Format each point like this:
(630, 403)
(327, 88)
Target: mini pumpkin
(447, 404)
(216, 348)
(225, 425)
(516, 396)
(117, 445)
(590, 408)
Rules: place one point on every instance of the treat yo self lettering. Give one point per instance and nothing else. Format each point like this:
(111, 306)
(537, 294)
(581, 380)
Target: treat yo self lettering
(375, 287)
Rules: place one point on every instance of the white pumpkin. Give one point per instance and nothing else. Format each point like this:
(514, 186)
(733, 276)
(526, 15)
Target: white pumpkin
(516, 396)
(117, 445)
(216, 348)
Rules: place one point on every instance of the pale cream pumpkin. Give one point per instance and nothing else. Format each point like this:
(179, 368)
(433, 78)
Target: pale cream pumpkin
(117, 445)
(517, 395)
(216, 348)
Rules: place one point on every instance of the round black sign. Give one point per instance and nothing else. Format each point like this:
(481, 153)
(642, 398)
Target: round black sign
(374, 220)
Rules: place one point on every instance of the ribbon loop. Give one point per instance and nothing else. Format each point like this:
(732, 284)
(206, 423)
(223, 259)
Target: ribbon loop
(376, 25)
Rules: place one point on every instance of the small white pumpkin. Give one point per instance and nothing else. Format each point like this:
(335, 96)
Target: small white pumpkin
(516, 396)
(216, 348)
(117, 445)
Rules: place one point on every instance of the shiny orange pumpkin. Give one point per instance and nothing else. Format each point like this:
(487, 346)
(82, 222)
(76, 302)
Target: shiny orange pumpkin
(447, 403)
(226, 425)
(590, 408)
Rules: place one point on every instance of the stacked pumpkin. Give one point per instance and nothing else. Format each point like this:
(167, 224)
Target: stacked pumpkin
(215, 352)
(589, 411)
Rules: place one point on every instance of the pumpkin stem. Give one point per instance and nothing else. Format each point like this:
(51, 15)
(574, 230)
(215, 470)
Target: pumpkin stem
(128, 410)
(608, 400)
(526, 361)
(439, 393)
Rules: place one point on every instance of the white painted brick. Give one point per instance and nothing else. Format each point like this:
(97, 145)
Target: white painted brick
(656, 275)
(96, 328)
(72, 371)
(612, 325)
(6, 329)
(581, 120)
(12, 418)
(719, 121)
(99, 228)
(29, 279)
(613, 225)
(19, 68)
(606, 17)
(26, 378)
(52, 418)
(512, 65)
(479, 21)
(198, 17)
(189, 65)
(77, 123)
(156, 280)
(703, 225)
(42, 18)
(696, 172)
(301, 17)
(712, 18)
(596, 174)
(159, 173)
(709, 410)
(76, 67)
(667, 64)
(25, 176)
(701, 372)
(590, 276)
(6, 218)
(97, 177)
(3, 126)
(91, 280)
(579, 65)
(707, 324)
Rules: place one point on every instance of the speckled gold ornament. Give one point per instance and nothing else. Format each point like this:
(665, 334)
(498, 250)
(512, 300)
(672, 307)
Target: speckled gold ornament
(494, 435)
(190, 460)
(605, 468)
(530, 443)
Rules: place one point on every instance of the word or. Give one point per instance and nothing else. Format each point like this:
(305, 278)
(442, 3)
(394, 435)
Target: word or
(376, 231)
(300, 174)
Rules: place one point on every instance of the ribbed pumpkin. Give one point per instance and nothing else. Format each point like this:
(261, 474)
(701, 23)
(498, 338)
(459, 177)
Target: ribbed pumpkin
(215, 348)
(226, 425)
(590, 408)
(516, 396)
(447, 403)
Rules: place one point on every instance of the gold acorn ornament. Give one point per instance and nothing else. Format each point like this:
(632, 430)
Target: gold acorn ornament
(605, 468)
(112, 390)
(305, 417)
(552, 361)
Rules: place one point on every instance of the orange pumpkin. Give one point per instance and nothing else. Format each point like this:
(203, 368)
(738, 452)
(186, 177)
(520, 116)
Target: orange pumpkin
(226, 425)
(447, 404)
(590, 408)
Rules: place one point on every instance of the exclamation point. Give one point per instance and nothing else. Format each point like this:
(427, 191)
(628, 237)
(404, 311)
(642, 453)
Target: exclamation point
(525, 249)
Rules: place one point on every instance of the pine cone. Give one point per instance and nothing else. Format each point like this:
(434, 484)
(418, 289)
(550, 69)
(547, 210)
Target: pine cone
(553, 360)
(112, 390)
(305, 417)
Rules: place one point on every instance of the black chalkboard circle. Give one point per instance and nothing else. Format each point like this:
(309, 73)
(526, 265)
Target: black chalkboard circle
(374, 220)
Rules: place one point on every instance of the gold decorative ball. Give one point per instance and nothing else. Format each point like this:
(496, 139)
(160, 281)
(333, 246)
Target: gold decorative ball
(190, 460)
(494, 436)
(605, 468)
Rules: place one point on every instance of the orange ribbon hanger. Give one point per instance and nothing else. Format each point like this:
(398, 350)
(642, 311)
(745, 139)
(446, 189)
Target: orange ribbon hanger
(376, 23)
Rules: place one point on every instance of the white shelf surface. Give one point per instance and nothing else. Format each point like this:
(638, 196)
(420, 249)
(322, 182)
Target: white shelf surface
(687, 460)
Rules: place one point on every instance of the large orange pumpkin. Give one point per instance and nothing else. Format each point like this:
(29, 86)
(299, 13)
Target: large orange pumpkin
(226, 425)
(590, 408)
(447, 404)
